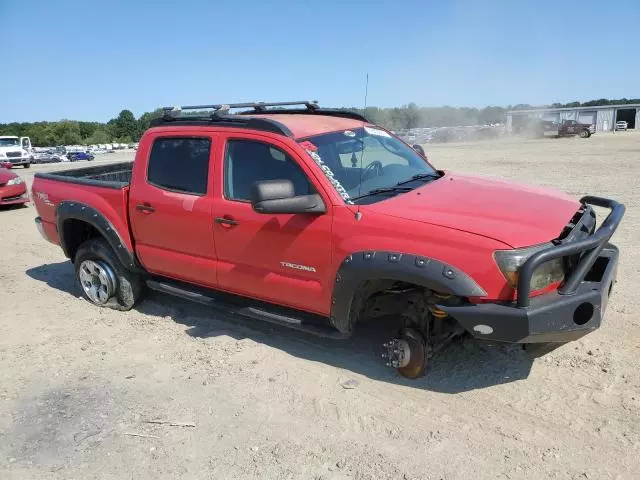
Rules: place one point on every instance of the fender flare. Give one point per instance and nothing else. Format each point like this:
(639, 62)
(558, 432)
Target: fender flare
(69, 210)
(368, 265)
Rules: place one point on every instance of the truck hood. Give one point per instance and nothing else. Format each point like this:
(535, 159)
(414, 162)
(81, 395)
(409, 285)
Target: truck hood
(514, 214)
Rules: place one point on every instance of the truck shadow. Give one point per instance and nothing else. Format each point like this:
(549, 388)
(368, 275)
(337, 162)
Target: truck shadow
(461, 367)
(7, 208)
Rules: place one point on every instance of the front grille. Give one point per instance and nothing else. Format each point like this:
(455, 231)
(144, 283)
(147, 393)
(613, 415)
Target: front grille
(14, 154)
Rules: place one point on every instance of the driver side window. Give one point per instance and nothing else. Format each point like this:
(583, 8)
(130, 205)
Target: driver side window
(249, 161)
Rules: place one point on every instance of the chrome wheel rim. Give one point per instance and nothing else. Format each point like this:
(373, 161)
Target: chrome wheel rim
(98, 281)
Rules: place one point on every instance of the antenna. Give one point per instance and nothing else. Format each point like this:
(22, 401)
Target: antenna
(366, 93)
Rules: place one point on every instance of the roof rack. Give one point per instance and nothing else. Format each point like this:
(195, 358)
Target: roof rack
(198, 115)
(257, 106)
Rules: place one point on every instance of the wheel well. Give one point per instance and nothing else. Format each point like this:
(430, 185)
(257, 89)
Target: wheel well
(381, 297)
(75, 232)
(417, 303)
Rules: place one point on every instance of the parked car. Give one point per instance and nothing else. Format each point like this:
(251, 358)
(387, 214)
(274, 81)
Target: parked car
(12, 188)
(75, 156)
(308, 238)
(50, 158)
(621, 125)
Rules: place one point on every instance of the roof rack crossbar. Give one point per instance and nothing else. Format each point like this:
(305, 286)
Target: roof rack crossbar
(258, 106)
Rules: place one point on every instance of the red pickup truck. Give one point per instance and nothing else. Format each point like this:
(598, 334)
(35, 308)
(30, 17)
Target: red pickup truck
(319, 220)
(566, 128)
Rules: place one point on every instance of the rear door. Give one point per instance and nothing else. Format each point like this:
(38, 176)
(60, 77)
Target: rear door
(170, 206)
(281, 258)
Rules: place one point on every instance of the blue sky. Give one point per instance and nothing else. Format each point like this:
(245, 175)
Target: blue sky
(87, 60)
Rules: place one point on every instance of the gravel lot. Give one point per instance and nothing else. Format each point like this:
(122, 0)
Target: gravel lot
(80, 385)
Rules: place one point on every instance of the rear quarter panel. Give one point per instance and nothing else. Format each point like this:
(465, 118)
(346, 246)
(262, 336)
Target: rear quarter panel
(111, 202)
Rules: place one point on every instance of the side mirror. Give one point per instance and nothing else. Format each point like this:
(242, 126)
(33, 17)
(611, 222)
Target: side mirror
(420, 150)
(278, 196)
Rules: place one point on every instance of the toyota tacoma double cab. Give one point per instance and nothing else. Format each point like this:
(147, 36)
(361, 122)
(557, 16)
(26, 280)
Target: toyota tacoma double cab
(319, 220)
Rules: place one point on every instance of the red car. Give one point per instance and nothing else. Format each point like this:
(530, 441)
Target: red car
(12, 188)
(319, 220)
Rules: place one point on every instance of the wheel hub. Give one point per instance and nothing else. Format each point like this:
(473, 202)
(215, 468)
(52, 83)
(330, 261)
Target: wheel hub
(398, 353)
(407, 354)
(98, 281)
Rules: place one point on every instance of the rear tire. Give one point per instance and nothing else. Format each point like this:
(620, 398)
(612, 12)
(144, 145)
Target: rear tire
(27, 165)
(585, 134)
(103, 280)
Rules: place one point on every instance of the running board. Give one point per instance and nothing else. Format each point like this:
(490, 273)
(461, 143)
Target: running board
(254, 310)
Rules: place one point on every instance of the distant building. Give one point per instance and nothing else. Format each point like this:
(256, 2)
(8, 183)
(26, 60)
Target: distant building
(603, 117)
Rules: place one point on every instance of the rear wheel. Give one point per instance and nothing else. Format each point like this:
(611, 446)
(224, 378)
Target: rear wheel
(585, 134)
(27, 165)
(103, 280)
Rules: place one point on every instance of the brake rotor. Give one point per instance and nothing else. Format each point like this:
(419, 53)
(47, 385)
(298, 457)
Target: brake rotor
(407, 354)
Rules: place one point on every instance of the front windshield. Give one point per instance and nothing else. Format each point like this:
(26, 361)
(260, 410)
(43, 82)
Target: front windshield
(9, 142)
(359, 162)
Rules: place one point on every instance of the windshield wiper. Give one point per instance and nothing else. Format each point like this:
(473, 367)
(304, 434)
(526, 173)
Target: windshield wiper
(420, 176)
(379, 191)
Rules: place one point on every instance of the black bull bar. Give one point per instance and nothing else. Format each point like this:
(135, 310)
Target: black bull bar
(590, 247)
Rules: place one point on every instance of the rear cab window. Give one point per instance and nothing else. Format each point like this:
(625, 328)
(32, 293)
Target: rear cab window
(180, 164)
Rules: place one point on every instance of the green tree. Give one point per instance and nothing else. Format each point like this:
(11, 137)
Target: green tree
(411, 116)
(67, 132)
(491, 115)
(100, 135)
(124, 125)
(144, 122)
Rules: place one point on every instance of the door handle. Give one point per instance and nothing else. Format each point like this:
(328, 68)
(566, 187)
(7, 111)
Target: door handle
(145, 208)
(226, 221)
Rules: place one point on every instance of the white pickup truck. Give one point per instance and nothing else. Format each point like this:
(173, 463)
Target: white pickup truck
(16, 150)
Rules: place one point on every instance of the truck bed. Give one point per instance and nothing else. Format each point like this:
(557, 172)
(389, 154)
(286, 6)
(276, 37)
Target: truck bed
(117, 175)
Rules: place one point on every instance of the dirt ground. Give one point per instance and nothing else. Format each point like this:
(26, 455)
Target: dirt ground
(80, 385)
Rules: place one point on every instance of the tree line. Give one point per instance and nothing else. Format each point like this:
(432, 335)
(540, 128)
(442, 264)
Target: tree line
(126, 128)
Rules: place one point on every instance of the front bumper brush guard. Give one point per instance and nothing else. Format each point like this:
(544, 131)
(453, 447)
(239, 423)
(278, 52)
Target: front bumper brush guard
(591, 246)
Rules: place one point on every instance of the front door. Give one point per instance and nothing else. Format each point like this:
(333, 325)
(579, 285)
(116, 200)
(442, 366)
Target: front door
(281, 258)
(170, 207)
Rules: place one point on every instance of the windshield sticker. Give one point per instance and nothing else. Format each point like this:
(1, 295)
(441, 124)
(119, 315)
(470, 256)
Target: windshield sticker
(350, 133)
(377, 132)
(328, 173)
(307, 145)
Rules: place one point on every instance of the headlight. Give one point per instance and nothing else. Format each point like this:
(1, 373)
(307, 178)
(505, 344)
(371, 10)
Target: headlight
(3, 155)
(15, 181)
(510, 261)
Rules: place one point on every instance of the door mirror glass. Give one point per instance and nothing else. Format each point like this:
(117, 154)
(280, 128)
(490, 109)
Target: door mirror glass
(278, 196)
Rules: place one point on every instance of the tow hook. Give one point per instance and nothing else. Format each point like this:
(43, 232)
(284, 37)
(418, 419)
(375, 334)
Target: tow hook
(407, 353)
